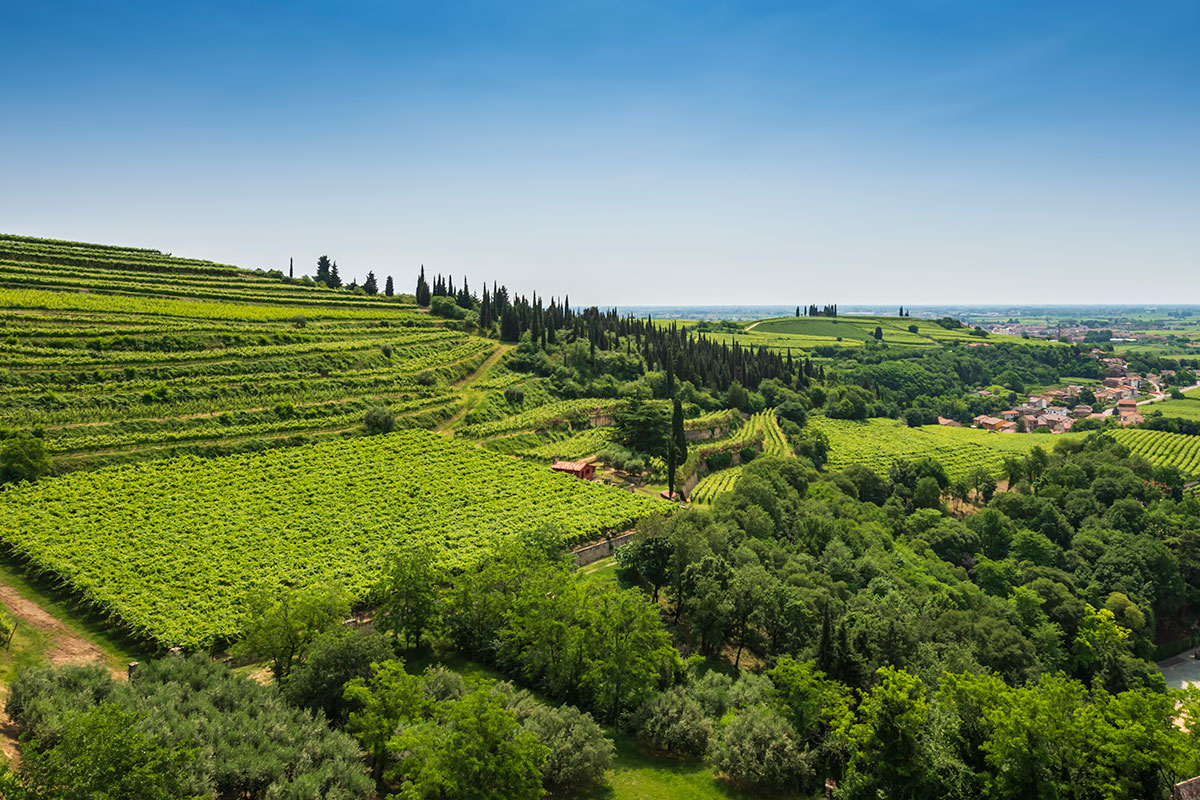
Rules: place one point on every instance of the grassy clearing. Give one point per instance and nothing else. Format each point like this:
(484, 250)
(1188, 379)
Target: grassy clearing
(639, 775)
(604, 569)
(1184, 409)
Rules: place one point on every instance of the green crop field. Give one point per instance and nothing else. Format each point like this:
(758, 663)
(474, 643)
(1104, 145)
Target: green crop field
(877, 443)
(172, 549)
(1163, 449)
(121, 354)
(1188, 408)
(805, 333)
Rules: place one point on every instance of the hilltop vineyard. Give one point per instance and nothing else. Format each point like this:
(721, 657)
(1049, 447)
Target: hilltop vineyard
(117, 354)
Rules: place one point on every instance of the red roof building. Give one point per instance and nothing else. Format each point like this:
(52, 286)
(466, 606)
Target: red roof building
(580, 469)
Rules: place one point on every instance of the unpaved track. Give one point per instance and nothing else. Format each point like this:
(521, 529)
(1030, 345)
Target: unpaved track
(63, 647)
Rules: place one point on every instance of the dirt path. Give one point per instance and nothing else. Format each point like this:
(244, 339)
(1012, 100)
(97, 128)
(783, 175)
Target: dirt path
(63, 647)
(472, 398)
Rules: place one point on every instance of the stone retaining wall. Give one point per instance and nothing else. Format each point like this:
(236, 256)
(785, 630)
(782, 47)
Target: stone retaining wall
(594, 552)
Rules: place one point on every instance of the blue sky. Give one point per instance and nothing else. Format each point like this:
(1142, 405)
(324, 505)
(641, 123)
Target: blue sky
(626, 152)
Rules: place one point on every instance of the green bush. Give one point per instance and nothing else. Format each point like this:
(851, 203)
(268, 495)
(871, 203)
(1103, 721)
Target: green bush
(379, 419)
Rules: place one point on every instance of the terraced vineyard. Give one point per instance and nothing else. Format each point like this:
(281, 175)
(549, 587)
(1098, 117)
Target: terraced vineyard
(877, 443)
(1163, 449)
(715, 483)
(762, 429)
(173, 548)
(126, 353)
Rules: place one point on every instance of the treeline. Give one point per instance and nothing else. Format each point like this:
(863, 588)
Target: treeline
(815, 311)
(548, 326)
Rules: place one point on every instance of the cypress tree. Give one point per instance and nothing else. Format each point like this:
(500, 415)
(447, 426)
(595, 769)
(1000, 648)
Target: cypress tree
(334, 279)
(389, 287)
(678, 446)
(369, 285)
(422, 288)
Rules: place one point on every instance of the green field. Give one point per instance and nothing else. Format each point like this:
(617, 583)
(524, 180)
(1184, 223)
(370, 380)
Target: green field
(877, 443)
(123, 353)
(172, 549)
(805, 333)
(1188, 408)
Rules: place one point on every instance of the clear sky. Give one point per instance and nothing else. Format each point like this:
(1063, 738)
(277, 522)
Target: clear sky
(640, 152)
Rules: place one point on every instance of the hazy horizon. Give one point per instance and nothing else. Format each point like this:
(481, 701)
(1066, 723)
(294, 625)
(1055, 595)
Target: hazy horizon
(663, 153)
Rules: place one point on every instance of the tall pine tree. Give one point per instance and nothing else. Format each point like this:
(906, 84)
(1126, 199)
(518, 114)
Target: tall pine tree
(389, 288)
(422, 289)
(323, 265)
(369, 285)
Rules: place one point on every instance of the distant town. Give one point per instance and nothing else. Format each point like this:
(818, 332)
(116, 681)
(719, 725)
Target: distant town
(1057, 410)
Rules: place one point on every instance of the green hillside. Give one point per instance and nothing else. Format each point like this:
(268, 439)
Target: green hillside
(124, 353)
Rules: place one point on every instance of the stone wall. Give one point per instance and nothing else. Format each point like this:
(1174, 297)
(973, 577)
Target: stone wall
(594, 552)
(705, 434)
(1188, 790)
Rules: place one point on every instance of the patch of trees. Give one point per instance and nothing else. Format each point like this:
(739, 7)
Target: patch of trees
(181, 727)
(23, 456)
(902, 637)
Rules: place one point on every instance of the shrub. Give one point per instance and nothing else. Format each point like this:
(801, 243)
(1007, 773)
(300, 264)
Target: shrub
(579, 754)
(299, 320)
(675, 722)
(719, 461)
(446, 307)
(425, 378)
(379, 419)
(443, 684)
(515, 395)
(759, 747)
(22, 458)
(793, 411)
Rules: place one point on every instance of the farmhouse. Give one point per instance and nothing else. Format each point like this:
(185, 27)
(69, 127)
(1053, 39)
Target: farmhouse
(949, 423)
(580, 469)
